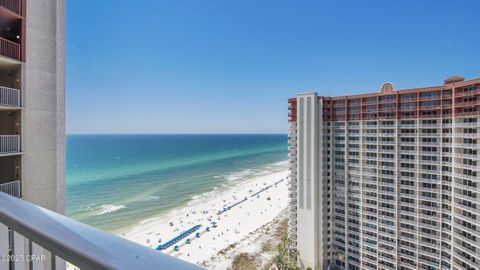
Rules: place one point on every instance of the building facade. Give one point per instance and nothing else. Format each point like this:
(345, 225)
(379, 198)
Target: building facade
(32, 101)
(387, 180)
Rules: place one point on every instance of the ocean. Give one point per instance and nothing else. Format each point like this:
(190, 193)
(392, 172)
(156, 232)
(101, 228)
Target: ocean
(116, 181)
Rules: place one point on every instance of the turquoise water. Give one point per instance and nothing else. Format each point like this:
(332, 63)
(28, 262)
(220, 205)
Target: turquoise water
(115, 181)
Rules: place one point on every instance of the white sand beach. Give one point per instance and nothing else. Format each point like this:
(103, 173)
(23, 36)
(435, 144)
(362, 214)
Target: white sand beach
(248, 206)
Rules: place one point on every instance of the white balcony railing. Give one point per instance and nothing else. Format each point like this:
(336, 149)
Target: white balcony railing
(12, 188)
(9, 96)
(9, 144)
(32, 230)
(10, 49)
(13, 5)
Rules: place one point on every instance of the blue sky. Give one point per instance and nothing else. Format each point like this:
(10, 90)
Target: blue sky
(221, 66)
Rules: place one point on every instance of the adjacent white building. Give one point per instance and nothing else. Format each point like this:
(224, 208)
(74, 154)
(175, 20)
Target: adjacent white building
(32, 101)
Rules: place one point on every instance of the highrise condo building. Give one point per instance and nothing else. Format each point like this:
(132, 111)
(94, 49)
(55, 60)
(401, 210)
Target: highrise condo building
(32, 101)
(387, 180)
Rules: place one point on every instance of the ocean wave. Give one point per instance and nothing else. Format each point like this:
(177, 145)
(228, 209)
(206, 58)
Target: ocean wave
(263, 172)
(239, 175)
(108, 208)
(146, 198)
(281, 163)
(196, 197)
(87, 208)
(232, 178)
(204, 196)
(257, 172)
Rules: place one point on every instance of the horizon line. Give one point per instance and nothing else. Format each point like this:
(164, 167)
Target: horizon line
(178, 133)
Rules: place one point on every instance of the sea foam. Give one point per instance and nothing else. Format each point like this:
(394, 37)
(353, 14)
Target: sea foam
(108, 208)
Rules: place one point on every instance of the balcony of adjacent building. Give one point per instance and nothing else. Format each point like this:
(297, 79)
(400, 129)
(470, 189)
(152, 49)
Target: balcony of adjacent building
(10, 95)
(11, 30)
(293, 201)
(16, 7)
(467, 253)
(10, 175)
(9, 133)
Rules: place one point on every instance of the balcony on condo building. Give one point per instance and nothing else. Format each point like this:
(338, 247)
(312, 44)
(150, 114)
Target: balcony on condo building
(15, 6)
(10, 74)
(11, 26)
(10, 153)
(9, 97)
(10, 171)
(9, 133)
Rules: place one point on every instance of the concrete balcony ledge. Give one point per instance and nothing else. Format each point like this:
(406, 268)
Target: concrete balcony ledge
(71, 241)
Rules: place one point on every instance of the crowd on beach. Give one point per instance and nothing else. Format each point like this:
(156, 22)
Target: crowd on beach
(226, 207)
(219, 220)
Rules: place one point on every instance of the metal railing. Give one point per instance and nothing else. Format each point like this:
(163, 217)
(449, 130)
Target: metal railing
(42, 235)
(9, 96)
(12, 188)
(10, 49)
(9, 144)
(13, 5)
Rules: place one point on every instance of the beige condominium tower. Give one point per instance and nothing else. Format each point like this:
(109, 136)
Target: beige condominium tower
(32, 101)
(387, 180)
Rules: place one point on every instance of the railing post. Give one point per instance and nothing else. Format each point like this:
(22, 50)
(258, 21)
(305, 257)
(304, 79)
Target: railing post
(59, 263)
(36, 251)
(4, 242)
(18, 249)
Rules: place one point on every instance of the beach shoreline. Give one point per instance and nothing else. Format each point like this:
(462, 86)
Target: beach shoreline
(216, 220)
